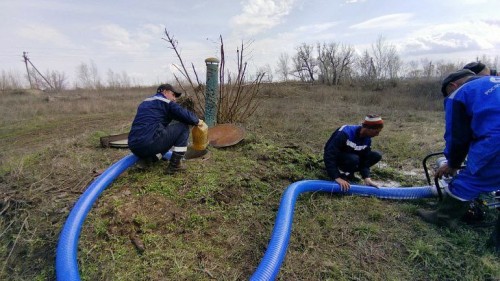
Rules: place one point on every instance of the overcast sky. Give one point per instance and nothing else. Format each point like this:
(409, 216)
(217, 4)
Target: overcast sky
(126, 36)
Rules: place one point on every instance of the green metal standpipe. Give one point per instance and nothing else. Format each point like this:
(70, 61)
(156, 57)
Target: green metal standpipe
(211, 92)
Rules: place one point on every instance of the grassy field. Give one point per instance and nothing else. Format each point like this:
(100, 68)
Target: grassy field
(214, 221)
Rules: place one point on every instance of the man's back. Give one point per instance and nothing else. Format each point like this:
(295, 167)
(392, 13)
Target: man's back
(473, 121)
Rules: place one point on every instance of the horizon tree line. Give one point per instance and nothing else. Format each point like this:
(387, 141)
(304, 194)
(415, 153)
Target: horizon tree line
(329, 63)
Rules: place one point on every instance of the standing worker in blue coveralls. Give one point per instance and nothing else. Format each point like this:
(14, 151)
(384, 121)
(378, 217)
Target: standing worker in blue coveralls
(472, 109)
(349, 150)
(160, 125)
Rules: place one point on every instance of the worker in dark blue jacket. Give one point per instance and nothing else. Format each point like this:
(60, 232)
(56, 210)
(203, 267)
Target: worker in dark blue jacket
(161, 125)
(349, 150)
(472, 110)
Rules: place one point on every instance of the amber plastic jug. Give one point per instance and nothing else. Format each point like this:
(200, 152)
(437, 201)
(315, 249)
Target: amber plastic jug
(200, 137)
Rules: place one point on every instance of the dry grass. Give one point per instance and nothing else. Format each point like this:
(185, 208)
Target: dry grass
(214, 222)
(309, 114)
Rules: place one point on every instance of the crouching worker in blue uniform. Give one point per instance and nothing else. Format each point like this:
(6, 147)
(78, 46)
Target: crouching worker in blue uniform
(161, 125)
(349, 150)
(472, 111)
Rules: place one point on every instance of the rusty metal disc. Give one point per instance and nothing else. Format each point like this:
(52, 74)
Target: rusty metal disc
(224, 135)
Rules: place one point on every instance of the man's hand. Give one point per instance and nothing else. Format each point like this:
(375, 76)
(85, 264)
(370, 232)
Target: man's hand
(344, 185)
(202, 124)
(446, 171)
(369, 182)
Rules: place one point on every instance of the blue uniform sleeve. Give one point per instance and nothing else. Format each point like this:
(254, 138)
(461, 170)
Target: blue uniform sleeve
(183, 115)
(458, 133)
(332, 149)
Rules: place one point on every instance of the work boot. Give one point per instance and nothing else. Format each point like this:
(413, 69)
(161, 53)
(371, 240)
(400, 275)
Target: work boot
(436, 217)
(175, 164)
(145, 162)
(474, 214)
(449, 212)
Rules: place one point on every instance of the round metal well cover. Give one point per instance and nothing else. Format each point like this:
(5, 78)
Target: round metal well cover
(223, 135)
(119, 143)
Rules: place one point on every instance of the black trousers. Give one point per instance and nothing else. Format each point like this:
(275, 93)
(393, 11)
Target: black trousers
(176, 135)
(351, 162)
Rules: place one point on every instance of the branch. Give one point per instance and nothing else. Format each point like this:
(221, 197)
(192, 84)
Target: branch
(173, 43)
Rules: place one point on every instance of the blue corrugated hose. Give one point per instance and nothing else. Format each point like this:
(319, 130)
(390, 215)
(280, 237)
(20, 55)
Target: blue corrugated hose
(67, 247)
(276, 250)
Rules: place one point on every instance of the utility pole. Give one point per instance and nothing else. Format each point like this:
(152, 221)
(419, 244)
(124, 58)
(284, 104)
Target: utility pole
(25, 56)
(26, 59)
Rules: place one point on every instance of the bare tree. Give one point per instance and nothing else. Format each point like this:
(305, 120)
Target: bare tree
(88, 76)
(283, 66)
(491, 62)
(267, 72)
(10, 81)
(237, 97)
(304, 63)
(344, 69)
(52, 80)
(380, 66)
(57, 79)
(237, 94)
(366, 68)
(393, 63)
(297, 70)
(194, 84)
(379, 57)
(334, 62)
(385, 59)
(428, 68)
(443, 68)
(113, 82)
(118, 81)
(327, 60)
(413, 70)
(36, 80)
